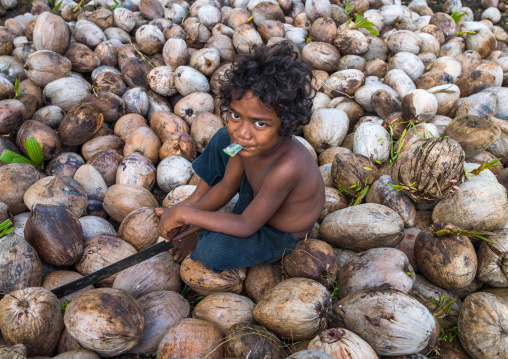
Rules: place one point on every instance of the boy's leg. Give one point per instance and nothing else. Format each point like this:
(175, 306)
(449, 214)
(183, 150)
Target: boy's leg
(219, 251)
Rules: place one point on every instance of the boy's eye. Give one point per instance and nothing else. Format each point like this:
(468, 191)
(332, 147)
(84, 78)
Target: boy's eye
(260, 124)
(235, 116)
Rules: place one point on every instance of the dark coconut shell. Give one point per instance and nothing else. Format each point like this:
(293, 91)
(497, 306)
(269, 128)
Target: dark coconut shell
(64, 165)
(11, 115)
(33, 317)
(106, 162)
(102, 143)
(179, 144)
(157, 273)
(106, 52)
(110, 105)
(475, 82)
(83, 59)
(381, 193)
(140, 228)
(395, 124)
(163, 310)
(108, 321)
(474, 134)
(55, 233)
(135, 73)
(443, 304)
(58, 278)
(385, 103)
(245, 338)
(390, 321)
(349, 169)
(45, 136)
(483, 326)
(454, 253)
(407, 245)
(192, 338)
(138, 170)
(433, 167)
(433, 78)
(101, 251)
(20, 266)
(261, 278)
(311, 258)
(15, 179)
(376, 269)
(110, 82)
(80, 124)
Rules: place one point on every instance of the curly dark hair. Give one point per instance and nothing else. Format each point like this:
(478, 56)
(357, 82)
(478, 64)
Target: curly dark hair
(275, 75)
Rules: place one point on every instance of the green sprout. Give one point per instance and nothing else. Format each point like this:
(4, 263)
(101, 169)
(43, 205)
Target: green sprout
(57, 7)
(465, 32)
(335, 287)
(80, 4)
(485, 166)
(16, 88)
(5, 228)
(308, 40)
(34, 150)
(456, 16)
(378, 162)
(443, 304)
(362, 22)
(184, 290)
(117, 5)
(480, 235)
(452, 334)
(63, 305)
(347, 9)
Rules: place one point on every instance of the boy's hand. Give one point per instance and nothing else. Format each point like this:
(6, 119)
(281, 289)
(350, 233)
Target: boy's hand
(169, 225)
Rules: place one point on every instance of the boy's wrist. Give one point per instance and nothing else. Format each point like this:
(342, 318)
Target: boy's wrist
(183, 214)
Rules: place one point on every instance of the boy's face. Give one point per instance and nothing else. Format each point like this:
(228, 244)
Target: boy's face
(254, 126)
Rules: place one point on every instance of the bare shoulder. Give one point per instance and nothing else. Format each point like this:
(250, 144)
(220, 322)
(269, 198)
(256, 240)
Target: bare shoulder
(295, 161)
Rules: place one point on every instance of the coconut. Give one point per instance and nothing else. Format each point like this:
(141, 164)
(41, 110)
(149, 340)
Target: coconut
(135, 72)
(78, 354)
(419, 105)
(385, 103)
(443, 304)
(363, 227)
(91, 321)
(479, 205)
(61, 277)
(144, 141)
(491, 258)
(327, 128)
(19, 263)
(17, 351)
(189, 80)
(83, 59)
(102, 143)
(179, 144)
(261, 278)
(62, 191)
(454, 252)
(95, 188)
(49, 115)
(100, 252)
(136, 169)
(351, 171)
(16, 178)
(127, 124)
(51, 33)
(109, 105)
(295, 308)
(106, 53)
(225, 310)
(375, 269)
(96, 226)
(310, 354)
(203, 128)
(407, 245)
(80, 125)
(122, 199)
(43, 134)
(46, 66)
(140, 228)
(175, 53)
(191, 106)
(390, 321)
(110, 82)
(191, 338)
(88, 33)
(55, 233)
(245, 338)
(474, 134)
(482, 324)
(64, 165)
(6, 88)
(106, 162)
(66, 93)
(173, 171)
(311, 258)
(422, 162)
(11, 115)
(372, 141)
(204, 281)
(321, 56)
(162, 80)
(334, 200)
(341, 342)
(178, 195)
(163, 310)
(164, 123)
(160, 272)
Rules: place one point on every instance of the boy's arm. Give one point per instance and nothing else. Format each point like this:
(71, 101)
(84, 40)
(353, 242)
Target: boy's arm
(276, 186)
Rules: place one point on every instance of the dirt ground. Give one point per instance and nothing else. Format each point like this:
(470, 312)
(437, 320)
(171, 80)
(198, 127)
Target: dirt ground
(25, 5)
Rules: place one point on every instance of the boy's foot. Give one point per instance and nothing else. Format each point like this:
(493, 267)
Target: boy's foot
(184, 249)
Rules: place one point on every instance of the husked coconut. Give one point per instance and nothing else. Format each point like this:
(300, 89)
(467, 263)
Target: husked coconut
(327, 128)
(107, 54)
(110, 82)
(94, 226)
(388, 317)
(11, 115)
(31, 316)
(101, 251)
(65, 164)
(51, 33)
(88, 33)
(19, 263)
(244, 37)
(127, 124)
(111, 106)
(163, 310)
(46, 66)
(475, 82)
(49, 115)
(164, 123)
(144, 141)
(442, 243)
(482, 326)
(179, 144)
(419, 105)
(245, 338)
(60, 277)
(203, 128)
(150, 39)
(189, 80)
(178, 195)
(140, 228)
(162, 80)
(334, 200)
(352, 173)
(363, 227)
(295, 308)
(101, 143)
(204, 281)
(341, 342)
(160, 272)
(95, 189)
(43, 134)
(191, 338)
(491, 258)
(321, 56)
(261, 278)
(135, 72)
(385, 103)
(61, 191)
(225, 310)
(364, 94)
(173, 171)
(83, 59)
(175, 53)
(474, 134)
(66, 92)
(372, 141)
(106, 162)
(192, 105)
(92, 321)
(122, 199)
(136, 169)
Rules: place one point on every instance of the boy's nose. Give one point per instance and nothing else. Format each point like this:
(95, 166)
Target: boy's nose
(243, 130)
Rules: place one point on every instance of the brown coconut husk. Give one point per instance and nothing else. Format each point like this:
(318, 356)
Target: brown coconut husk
(474, 134)
(351, 171)
(261, 278)
(245, 338)
(428, 170)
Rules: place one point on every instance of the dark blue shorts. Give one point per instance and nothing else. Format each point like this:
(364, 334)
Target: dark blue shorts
(219, 251)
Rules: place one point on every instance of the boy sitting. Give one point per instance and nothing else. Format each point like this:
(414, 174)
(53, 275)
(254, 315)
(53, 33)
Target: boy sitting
(267, 97)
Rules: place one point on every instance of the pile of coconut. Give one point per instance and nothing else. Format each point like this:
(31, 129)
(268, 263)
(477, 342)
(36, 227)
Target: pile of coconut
(409, 128)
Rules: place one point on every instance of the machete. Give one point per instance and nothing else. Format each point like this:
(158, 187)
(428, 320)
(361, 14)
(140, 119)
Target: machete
(125, 263)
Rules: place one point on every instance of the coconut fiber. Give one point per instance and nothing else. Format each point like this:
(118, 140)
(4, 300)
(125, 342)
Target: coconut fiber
(219, 251)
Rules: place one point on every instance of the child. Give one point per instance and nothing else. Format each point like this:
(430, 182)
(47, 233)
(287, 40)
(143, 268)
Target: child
(267, 97)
